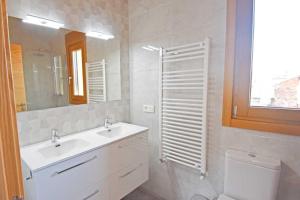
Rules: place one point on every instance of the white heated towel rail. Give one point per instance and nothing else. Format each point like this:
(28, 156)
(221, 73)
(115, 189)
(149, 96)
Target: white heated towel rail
(96, 81)
(183, 104)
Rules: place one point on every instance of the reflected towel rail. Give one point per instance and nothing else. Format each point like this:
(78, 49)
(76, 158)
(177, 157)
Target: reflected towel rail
(96, 81)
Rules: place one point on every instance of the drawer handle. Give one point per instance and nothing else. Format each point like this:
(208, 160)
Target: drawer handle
(91, 195)
(82, 163)
(131, 171)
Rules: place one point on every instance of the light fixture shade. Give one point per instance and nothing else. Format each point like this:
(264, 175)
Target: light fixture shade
(99, 35)
(151, 48)
(42, 22)
(147, 48)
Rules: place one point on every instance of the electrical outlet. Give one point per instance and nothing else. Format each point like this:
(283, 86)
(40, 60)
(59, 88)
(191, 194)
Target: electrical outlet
(148, 108)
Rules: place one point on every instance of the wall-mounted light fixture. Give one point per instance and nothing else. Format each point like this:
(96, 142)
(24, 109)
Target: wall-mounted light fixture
(99, 35)
(42, 22)
(151, 48)
(147, 48)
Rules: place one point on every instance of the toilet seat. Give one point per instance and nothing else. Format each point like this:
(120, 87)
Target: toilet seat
(224, 197)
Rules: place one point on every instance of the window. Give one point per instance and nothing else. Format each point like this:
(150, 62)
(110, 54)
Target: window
(275, 62)
(76, 56)
(77, 72)
(262, 70)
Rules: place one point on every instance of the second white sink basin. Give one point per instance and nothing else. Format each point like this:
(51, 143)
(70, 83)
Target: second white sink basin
(115, 131)
(61, 148)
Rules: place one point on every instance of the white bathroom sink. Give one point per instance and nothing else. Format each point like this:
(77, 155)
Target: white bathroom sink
(40, 155)
(118, 130)
(61, 148)
(114, 131)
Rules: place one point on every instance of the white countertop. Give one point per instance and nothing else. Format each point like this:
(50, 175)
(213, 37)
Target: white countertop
(36, 161)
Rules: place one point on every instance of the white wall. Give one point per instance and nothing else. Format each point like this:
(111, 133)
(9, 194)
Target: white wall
(174, 22)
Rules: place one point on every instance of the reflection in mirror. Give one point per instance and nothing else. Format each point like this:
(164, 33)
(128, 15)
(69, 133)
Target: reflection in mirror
(110, 52)
(77, 71)
(49, 70)
(76, 60)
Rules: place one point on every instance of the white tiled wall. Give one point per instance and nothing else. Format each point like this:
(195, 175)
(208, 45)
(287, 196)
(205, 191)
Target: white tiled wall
(174, 22)
(95, 15)
(36, 126)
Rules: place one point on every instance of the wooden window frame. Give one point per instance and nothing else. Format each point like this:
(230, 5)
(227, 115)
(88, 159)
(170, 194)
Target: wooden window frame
(237, 77)
(75, 41)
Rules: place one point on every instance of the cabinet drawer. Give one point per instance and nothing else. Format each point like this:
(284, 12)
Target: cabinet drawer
(128, 179)
(130, 151)
(98, 191)
(66, 180)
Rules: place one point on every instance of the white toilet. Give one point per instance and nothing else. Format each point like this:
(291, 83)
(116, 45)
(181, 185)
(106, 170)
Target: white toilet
(250, 177)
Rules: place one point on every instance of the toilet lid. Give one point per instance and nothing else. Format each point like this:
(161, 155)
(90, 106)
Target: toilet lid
(224, 197)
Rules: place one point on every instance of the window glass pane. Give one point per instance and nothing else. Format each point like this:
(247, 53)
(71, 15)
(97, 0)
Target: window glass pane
(77, 72)
(276, 54)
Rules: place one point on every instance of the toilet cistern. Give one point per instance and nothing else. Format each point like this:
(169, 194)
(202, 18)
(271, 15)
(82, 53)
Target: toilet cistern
(250, 176)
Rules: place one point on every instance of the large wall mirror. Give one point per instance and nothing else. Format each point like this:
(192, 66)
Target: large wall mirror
(55, 67)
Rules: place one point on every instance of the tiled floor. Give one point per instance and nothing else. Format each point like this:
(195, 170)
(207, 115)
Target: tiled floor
(140, 195)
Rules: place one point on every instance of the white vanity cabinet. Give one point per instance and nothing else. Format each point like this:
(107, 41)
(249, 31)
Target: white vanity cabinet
(132, 162)
(107, 173)
(77, 178)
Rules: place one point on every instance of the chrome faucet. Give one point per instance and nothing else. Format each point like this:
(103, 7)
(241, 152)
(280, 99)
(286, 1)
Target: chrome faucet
(54, 136)
(107, 123)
